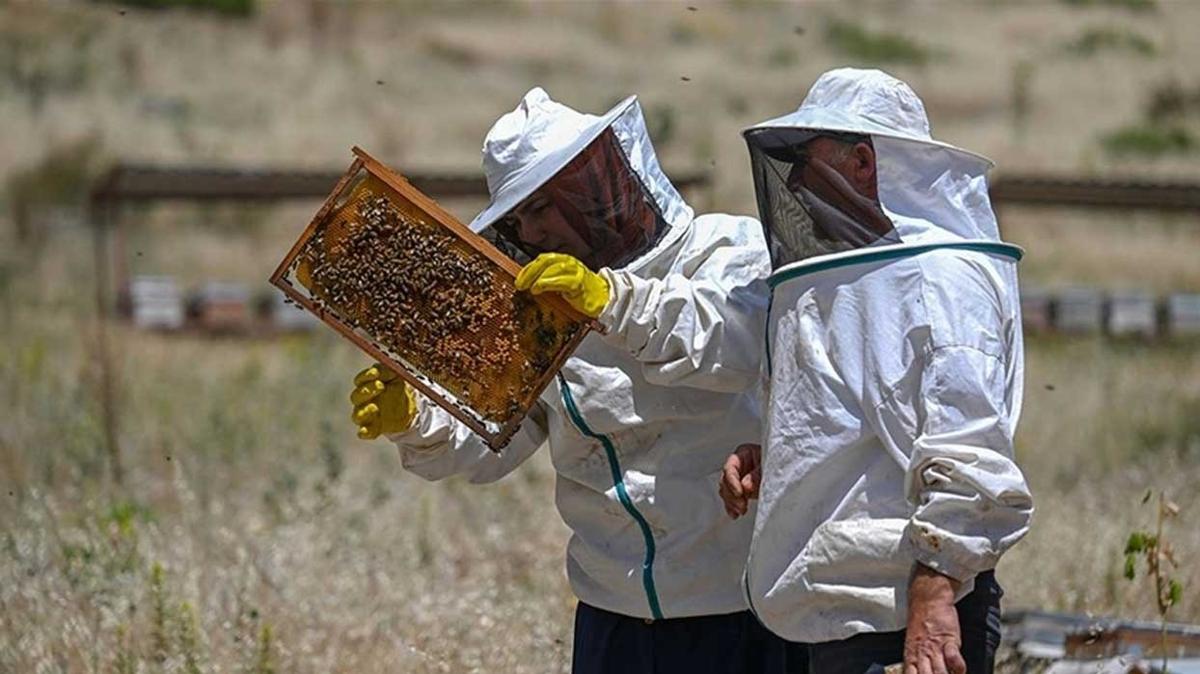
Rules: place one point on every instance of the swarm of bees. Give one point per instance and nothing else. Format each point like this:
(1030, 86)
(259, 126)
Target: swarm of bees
(440, 305)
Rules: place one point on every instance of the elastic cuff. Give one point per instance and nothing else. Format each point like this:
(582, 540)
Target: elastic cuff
(941, 562)
(933, 548)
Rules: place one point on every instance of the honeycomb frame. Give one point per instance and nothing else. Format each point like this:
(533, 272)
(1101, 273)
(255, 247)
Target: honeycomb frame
(496, 432)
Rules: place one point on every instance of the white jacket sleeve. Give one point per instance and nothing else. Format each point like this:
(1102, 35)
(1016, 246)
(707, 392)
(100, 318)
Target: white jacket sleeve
(701, 326)
(971, 500)
(438, 446)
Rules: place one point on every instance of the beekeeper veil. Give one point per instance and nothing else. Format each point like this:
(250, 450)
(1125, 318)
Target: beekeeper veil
(808, 208)
(563, 181)
(927, 190)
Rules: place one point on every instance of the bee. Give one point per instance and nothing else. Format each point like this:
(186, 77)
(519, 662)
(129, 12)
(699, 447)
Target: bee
(431, 300)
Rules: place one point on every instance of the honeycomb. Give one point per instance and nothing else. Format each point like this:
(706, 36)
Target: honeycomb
(446, 313)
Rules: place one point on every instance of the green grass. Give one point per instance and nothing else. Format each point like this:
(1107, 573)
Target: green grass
(876, 47)
(1149, 140)
(229, 7)
(1093, 41)
(1132, 5)
(1172, 101)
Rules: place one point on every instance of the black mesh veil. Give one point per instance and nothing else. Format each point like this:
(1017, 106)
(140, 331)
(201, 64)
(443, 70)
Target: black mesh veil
(595, 208)
(808, 209)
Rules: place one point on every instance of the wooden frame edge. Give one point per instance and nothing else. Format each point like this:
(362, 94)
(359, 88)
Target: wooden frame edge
(380, 355)
(481, 245)
(338, 189)
(494, 440)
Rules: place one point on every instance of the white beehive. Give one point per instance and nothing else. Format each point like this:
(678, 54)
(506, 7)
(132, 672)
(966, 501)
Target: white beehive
(287, 316)
(1132, 313)
(1183, 314)
(1079, 311)
(155, 303)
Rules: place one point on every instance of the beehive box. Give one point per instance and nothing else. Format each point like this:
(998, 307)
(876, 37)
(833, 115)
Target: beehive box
(284, 315)
(155, 303)
(414, 288)
(221, 307)
(1132, 313)
(1183, 315)
(1107, 641)
(1079, 311)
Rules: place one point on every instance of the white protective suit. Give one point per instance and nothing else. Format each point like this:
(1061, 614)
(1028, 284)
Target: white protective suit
(640, 419)
(895, 386)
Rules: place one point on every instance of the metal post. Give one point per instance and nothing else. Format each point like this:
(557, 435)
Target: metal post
(101, 219)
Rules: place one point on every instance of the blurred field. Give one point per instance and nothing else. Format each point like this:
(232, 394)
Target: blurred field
(283, 543)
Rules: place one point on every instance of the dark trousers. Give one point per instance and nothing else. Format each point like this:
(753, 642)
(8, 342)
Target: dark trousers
(978, 618)
(735, 643)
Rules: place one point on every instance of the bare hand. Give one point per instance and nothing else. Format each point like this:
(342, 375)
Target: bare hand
(740, 479)
(933, 642)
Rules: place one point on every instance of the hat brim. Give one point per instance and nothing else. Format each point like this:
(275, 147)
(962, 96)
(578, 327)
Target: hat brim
(826, 119)
(537, 173)
(779, 143)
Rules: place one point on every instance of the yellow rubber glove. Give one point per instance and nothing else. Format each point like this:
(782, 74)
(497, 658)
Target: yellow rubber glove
(559, 273)
(383, 403)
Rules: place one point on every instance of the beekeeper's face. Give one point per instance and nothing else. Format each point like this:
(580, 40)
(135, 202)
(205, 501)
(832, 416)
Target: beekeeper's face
(595, 209)
(853, 161)
(817, 192)
(544, 228)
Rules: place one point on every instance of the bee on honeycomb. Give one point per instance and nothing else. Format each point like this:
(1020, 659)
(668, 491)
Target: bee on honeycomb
(432, 300)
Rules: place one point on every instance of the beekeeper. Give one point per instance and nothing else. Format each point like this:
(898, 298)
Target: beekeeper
(641, 418)
(888, 488)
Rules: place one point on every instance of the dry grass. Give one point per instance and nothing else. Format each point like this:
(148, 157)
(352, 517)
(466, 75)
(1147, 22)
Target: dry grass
(244, 480)
(263, 510)
(281, 90)
(1103, 422)
(1128, 250)
(246, 485)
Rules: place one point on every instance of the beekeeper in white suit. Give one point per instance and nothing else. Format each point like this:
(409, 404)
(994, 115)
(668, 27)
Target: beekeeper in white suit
(888, 487)
(640, 420)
